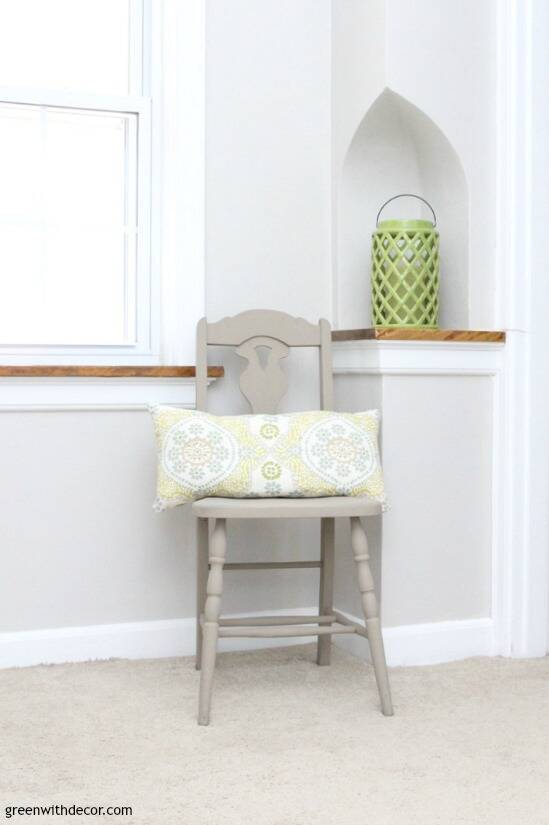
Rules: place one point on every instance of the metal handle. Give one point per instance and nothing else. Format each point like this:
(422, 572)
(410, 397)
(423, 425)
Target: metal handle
(407, 195)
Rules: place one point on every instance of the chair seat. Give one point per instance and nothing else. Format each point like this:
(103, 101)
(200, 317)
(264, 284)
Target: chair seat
(326, 507)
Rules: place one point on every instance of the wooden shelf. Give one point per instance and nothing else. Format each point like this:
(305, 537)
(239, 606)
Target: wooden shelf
(371, 334)
(418, 334)
(104, 372)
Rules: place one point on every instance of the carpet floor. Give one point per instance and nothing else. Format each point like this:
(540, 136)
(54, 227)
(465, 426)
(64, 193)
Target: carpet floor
(290, 743)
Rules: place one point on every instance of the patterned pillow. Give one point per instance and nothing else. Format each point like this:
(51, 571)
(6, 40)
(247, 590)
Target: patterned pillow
(300, 455)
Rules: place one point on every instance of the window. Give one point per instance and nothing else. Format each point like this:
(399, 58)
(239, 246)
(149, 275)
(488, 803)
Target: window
(75, 179)
(102, 175)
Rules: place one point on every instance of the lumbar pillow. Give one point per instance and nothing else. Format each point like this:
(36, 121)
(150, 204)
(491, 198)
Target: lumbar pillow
(298, 455)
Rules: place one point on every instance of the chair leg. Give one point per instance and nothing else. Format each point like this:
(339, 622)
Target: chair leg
(325, 606)
(359, 544)
(212, 609)
(201, 579)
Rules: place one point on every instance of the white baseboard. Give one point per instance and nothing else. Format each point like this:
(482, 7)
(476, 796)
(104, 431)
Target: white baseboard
(127, 640)
(428, 644)
(409, 645)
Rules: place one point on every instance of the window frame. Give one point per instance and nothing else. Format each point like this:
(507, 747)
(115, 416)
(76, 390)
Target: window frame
(167, 65)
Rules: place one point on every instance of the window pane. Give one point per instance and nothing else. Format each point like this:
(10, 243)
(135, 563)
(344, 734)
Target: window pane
(67, 226)
(77, 45)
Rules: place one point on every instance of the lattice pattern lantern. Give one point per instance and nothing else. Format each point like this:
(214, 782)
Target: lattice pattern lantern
(405, 271)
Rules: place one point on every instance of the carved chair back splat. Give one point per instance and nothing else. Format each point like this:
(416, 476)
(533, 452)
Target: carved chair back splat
(264, 385)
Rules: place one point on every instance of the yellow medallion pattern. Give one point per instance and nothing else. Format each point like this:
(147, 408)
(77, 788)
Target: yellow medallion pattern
(298, 455)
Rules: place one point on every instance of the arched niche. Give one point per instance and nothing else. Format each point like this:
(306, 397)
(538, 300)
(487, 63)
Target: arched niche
(397, 148)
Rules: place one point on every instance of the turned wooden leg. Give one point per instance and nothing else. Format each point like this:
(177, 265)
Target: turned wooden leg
(359, 544)
(325, 605)
(212, 609)
(201, 579)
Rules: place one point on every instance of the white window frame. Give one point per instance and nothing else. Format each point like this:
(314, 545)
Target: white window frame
(170, 285)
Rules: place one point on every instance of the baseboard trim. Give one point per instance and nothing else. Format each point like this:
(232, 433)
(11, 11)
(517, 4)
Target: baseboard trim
(419, 644)
(127, 640)
(428, 644)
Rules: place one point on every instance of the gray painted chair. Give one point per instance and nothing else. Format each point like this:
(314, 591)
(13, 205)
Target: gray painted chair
(263, 387)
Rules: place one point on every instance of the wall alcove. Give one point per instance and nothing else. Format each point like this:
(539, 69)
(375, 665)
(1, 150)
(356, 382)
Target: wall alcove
(397, 148)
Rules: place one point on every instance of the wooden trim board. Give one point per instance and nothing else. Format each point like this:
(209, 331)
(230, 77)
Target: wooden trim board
(418, 334)
(369, 334)
(62, 371)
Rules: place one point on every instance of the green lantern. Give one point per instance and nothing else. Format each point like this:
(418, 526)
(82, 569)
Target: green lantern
(405, 271)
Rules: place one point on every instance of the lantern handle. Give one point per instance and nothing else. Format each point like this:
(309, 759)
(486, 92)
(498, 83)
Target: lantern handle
(407, 195)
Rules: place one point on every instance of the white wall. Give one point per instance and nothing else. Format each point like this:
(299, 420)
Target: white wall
(414, 89)
(268, 156)
(431, 551)
(287, 87)
(442, 58)
(398, 149)
(268, 230)
(80, 543)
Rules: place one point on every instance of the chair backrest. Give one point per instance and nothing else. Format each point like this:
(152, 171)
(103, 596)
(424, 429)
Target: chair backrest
(264, 385)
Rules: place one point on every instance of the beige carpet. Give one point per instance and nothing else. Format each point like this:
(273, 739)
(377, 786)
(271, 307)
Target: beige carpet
(289, 743)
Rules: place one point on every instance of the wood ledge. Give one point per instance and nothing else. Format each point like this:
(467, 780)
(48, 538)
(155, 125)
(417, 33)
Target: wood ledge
(370, 334)
(418, 334)
(62, 371)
